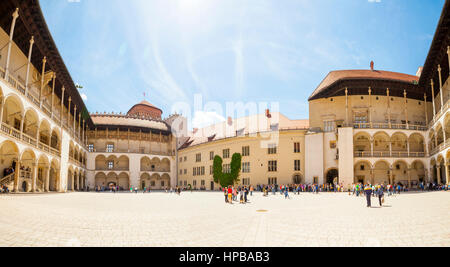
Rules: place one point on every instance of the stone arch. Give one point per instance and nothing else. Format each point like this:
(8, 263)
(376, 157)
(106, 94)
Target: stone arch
(381, 142)
(145, 180)
(297, 178)
(123, 163)
(13, 111)
(165, 165)
(439, 134)
(417, 172)
(154, 178)
(9, 153)
(100, 162)
(54, 180)
(399, 143)
(45, 132)
(31, 123)
(100, 179)
(28, 160)
(42, 171)
(363, 171)
(112, 178)
(165, 181)
(381, 172)
(124, 181)
(55, 140)
(416, 144)
(332, 176)
(361, 143)
(400, 172)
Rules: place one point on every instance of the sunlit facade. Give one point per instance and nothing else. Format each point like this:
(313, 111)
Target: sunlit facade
(364, 126)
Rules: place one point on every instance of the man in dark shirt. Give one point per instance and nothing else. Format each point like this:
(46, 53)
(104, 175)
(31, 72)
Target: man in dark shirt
(368, 192)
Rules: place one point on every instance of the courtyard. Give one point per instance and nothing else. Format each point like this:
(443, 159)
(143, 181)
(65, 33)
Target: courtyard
(203, 219)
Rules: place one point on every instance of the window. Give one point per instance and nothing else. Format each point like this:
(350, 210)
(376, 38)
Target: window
(91, 147)
(272, 180)
(198, 157)
(328, 126)
(181, 159)
(194, 183)
(181, 172)
(211, 155)
(245, 167)
(110, 148)
(152, 183)
(203, 183)
(185, 171)
(272, 166)
(194, 171)
(245, 151)
(226, 153)
(297, 165)
(227, 168)
(246, 181)
(297, 147)
(272, 149)
(185, 158)
(162, 183)
(110, 165)
(185, 183)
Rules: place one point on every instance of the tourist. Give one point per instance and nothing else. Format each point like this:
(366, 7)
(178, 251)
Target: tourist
(368, 192)
(286, 194)
(225, 193)
(230, 195)
(245, 194)
(380, 194)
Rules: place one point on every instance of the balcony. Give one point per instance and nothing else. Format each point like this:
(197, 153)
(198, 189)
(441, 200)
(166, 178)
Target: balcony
(134, 151)
(440, 147)
(43, 106)
(387, 126)
(387, 154)
(24, 138)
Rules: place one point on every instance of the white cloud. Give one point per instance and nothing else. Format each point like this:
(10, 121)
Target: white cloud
(84, 97)
(203, 118)
(374, 1)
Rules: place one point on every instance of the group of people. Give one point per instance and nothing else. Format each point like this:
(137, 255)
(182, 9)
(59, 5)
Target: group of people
(4, 189)
(231, 194)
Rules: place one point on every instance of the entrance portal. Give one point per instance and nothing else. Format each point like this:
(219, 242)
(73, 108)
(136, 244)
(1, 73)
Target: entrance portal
(333, 176)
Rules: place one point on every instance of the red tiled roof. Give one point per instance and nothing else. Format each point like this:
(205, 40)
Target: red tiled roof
(335, 76)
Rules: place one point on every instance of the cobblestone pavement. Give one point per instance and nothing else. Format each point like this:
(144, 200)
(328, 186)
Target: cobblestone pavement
(203, 219)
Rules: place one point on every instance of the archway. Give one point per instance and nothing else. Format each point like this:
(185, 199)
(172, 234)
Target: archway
(100, 179)
(124, 181)
(363, 172)
(13, 112)
(332, 176)
(381, 144)
(400, 172)
(297, 179)
(54, 181)
(145, 180)
(381, 172)
(27, 164)
(361, 145)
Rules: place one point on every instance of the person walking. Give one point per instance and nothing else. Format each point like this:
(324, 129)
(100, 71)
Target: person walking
(368, 192)
(380, 193)
(225, 193)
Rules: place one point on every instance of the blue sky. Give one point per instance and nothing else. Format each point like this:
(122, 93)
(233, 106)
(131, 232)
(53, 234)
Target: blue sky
(232, 50)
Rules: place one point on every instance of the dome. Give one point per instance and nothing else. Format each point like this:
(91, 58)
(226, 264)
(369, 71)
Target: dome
(145, 109)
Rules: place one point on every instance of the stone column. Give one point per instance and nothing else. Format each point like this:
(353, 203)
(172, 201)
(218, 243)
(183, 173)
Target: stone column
(440, 88)
(53, 93)
(30, 51)
(44, 61)
(47, 180)
(17, 177)
(34, 177)
(446, 173)
(68, 113)
(391, 176)
(74, 119)
(438, 167)
(389, 108)
(432, 95)
(73, 181)
(406, 109)
(15, 15)
(370, 107)
(409, 178)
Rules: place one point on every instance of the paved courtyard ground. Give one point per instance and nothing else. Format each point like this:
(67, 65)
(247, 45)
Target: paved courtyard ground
(203, 219)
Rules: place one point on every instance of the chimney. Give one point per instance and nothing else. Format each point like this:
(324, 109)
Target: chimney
(268, 115)
(195, 130)
(419, 72)
(372, 65)
(230, 121)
